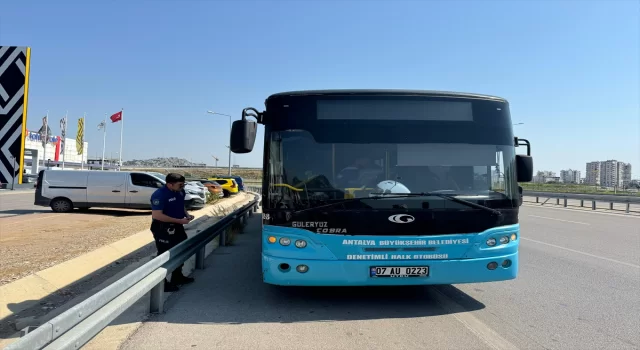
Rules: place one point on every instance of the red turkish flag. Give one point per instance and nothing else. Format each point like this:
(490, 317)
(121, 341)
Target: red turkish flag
(116, 117)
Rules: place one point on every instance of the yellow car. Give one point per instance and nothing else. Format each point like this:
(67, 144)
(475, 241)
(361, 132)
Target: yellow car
(229, 186)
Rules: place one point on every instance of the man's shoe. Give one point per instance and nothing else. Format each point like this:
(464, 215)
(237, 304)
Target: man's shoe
(183, 280)
(170, 287)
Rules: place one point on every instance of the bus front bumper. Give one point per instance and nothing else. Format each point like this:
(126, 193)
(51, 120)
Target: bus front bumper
(357, 273)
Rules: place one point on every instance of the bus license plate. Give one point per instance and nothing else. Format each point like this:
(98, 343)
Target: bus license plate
(399, 271)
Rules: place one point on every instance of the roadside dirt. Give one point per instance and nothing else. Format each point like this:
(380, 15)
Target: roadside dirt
(30, 243)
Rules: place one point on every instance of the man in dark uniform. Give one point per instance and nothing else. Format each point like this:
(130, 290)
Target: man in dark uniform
(169, 216)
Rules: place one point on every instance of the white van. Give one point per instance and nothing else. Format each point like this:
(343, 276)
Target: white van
(63, 190)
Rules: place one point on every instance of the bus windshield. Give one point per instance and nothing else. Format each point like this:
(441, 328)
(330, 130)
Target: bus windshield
(302, 172)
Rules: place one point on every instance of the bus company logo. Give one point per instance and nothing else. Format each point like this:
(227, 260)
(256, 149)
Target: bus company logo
(401, 218)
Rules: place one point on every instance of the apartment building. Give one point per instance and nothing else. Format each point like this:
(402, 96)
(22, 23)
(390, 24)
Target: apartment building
(592, 177)
(545, 176)
(570, 176)
(609, 173)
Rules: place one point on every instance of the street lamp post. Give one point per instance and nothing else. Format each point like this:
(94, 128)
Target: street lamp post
(226, 115)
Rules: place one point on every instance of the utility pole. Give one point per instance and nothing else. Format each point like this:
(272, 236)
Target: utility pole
(226, 115)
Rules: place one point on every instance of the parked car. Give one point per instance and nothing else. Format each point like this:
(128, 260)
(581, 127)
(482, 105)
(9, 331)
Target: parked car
(191, 189)
(229, 186)
(213, 187)
(237, 178)
(64, 190)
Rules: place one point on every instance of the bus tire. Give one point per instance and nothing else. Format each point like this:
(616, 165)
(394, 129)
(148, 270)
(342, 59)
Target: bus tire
(61, 205)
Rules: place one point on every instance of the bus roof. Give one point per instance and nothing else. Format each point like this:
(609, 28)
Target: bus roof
(381, 92)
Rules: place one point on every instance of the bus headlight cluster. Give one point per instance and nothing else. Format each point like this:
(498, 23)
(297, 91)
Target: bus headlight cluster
(491, 242)
(285, 241)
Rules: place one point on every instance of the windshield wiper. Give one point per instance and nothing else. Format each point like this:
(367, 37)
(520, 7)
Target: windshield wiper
(449, 197)
(405, 195)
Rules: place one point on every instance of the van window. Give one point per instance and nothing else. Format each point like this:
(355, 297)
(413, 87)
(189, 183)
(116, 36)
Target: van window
(105, 179)
(145, 181)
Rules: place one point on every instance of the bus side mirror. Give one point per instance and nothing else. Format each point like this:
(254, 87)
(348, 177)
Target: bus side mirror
(524, 168)
(243, 136)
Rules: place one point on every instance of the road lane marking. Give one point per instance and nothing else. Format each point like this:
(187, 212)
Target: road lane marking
(548, 218)
(583, 253)
(475, 326)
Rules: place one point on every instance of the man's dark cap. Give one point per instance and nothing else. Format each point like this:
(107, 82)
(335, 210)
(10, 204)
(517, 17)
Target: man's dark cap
(173, 178)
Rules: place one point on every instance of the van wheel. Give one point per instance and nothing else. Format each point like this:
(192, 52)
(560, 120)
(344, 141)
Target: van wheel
(226, 193)
(61, 205)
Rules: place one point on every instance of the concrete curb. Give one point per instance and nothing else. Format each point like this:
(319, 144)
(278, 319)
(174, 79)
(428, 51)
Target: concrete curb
(28, 291)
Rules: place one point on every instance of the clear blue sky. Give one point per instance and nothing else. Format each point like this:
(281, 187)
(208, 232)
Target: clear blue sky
(568, 68)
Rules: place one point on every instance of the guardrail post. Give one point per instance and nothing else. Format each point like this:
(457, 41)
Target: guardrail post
(628, 207)
(223, 238)
(593, 205)
(565, 202)
(156, 302)
(610, 205)
(582, 202)
(200, 258)
(557, 201)
(537, 199)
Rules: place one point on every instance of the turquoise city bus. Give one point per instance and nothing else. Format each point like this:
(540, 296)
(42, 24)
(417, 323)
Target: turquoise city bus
(387, 187)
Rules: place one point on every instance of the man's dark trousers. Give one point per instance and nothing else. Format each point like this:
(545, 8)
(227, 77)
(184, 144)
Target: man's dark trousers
(167, 236)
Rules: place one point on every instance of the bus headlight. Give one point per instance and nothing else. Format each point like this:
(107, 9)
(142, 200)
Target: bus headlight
(491, 242)
(301, 243)
(302, 268)
(504, 240)
(285, 241)
(513, 236)
(271, 239)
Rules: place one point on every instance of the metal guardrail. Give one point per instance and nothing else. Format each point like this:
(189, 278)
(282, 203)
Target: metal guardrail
(78, 325)
(252, 188)
(593, 198)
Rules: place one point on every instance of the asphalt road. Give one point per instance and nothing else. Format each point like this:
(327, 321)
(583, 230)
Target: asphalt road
(578, 288)
(19, 203)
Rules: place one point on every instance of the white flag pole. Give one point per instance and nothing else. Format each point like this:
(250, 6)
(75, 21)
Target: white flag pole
(64, 138)
(104, 140)
(121, 133)
(84, 121)
(46, 139)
